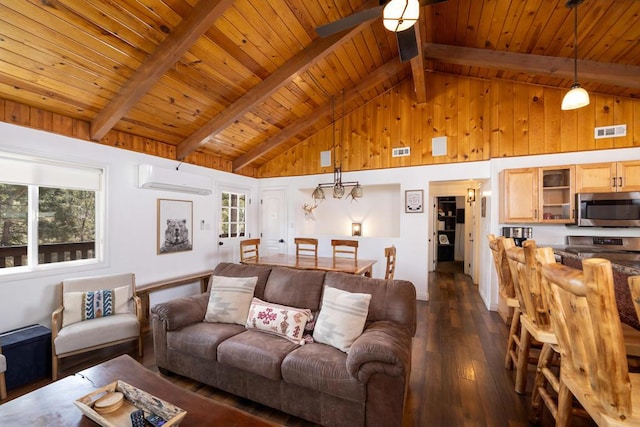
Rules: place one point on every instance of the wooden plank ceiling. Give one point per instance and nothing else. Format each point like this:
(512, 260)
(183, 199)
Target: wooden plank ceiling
(248, 79)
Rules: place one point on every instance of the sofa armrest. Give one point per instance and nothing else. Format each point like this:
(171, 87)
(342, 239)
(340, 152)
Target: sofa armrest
(183, 311)
(384, 348)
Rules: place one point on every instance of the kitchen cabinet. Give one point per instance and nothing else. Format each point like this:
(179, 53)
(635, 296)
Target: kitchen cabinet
(537, 195)
(608, 177)
(446, 228)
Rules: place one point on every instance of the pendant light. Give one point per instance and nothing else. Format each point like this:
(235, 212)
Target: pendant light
(338, 187)
(577, 97)
(399, 15)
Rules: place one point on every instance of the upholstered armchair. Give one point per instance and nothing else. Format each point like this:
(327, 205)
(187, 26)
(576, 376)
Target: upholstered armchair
(96, 312)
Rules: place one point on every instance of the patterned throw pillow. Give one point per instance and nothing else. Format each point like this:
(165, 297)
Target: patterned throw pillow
(79, 306)
(342, 318)
(230, 299)
(287, 322)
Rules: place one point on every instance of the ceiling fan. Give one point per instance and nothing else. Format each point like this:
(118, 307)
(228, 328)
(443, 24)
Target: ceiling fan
(398, 16)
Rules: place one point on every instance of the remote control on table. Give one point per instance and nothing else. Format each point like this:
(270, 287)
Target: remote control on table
(137, 418)
(155, 420)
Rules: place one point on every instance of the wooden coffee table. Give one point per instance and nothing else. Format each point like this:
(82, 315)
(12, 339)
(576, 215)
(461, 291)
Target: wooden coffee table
(53, 405)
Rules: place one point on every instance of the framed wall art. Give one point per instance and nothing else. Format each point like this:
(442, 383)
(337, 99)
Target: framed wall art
(413, 201)
(175, 226)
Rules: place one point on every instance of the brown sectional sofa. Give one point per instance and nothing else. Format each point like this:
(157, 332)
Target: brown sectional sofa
(317, 382)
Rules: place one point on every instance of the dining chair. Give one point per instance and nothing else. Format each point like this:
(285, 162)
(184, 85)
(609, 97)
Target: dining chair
(306, 247)
(498, 245)
(81, 323)
(345, 249)
(249, 250)
(3, 369)
(390, 255)
(593, 360)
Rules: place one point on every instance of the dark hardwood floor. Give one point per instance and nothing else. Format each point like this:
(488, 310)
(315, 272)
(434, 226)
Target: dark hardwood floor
(457, 379)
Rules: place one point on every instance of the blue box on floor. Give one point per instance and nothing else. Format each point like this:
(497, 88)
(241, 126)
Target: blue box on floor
(28, 353)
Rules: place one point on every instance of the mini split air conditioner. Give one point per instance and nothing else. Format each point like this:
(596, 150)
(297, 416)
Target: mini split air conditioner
(157, 178)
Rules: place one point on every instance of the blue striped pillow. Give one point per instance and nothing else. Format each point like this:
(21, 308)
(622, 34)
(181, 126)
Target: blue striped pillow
(98, 304)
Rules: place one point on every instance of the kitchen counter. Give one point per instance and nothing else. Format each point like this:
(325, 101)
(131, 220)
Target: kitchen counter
(632, 268)
(622, 269)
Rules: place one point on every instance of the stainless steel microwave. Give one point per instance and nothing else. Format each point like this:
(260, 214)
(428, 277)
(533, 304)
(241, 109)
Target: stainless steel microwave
(608, 209)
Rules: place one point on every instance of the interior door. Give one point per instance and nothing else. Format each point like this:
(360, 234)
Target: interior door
(273, 222)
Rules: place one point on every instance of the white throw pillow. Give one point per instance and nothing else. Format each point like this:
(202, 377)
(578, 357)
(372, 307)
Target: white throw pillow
(342, 318)
(78, 307)
(230, 299)
(287, 322)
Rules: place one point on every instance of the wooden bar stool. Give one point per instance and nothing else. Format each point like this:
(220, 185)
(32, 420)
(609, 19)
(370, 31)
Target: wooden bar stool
(498, 245)
(587, 324)
(534, 318)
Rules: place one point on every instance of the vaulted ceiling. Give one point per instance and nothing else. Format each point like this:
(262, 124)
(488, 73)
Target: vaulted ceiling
(248, 79)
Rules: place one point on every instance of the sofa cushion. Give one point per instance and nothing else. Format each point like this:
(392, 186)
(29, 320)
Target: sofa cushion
(323, 368)
(228, 269)
(230, 299)
(294, 288)
(342, 318)
(284, 321)
(256, 352)
(202, 339)
(390, 299)
(95, 332)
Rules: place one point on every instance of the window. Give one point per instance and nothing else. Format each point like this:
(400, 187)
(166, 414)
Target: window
(48, 213)
(233, 215)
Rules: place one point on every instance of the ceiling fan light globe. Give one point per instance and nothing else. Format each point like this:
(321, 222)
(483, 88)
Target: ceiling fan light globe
(576, 98)
(400, 15)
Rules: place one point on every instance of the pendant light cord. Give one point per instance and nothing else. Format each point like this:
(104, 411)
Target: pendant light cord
(575, 44)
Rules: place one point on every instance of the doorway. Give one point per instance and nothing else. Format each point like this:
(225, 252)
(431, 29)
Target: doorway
(450, 232)
(454, 216)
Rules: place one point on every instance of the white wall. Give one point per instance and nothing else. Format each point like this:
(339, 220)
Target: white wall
(415, 229)
(130, 228)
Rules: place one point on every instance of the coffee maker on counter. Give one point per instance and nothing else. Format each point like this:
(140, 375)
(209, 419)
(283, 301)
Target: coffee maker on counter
(518, 234)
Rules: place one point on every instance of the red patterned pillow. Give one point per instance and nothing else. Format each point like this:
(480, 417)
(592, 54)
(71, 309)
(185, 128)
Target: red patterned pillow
(287, 322)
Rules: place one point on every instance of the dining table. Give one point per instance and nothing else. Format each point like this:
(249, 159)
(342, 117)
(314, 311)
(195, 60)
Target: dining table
(346, 265)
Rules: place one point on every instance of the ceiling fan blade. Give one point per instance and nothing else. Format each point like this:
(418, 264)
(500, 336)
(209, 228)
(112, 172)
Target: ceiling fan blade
(349, 21)
(407, 44)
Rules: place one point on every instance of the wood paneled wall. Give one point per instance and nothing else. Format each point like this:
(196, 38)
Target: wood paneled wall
(23, 115)
(482, 119)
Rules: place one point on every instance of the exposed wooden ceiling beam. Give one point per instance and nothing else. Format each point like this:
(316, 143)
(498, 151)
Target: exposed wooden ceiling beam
(598, 72)
(373, 79)
(170, 50)
(305, 59)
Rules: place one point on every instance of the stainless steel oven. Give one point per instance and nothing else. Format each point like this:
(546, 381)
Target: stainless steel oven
(608, 209)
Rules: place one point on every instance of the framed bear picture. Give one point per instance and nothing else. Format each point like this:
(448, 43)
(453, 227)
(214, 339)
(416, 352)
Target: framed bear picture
(175, 226)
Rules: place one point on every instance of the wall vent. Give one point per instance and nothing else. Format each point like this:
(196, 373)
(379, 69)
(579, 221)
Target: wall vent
(401, 152)
(610, 131)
